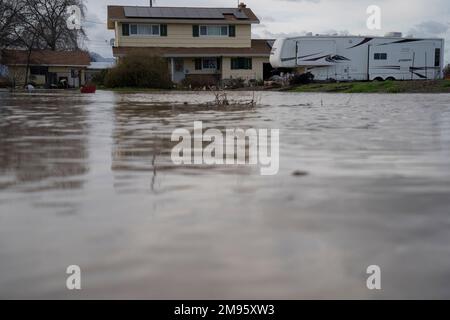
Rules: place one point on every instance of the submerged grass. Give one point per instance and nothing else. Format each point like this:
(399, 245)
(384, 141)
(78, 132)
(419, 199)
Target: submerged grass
(432, 86)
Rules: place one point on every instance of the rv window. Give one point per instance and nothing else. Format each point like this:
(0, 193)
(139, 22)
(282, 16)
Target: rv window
(437, 57)
(380, 56)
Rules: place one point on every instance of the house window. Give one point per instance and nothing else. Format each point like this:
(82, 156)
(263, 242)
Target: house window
(437, 57)
(38, 71)
(380, 56)
(241, 64)
(209, 63)
(145, 30)
(214, 31)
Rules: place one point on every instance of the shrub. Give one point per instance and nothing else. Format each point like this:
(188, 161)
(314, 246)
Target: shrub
(447, 72)
(256, 83)
(233, 83)
(196, 81)
(99, 78)
(139, 70)
(303, 78)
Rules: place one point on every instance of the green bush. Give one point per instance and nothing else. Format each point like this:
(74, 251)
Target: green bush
(139, 70)
(447, 72)
(99, 78)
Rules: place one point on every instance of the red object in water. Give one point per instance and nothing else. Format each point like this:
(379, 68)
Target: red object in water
(88, 89)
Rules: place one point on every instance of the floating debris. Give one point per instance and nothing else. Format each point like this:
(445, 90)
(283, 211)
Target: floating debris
(299, 173)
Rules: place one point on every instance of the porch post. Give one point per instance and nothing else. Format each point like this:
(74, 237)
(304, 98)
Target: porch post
(172, 66)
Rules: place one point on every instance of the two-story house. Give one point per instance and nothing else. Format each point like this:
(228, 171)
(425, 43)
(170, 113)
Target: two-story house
(202, 44)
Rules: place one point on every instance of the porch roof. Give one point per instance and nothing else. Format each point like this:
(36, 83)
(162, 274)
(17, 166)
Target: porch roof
(259, 48)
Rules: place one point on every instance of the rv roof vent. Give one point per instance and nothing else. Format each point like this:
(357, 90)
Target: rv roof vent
(394, 34)
(309, 34)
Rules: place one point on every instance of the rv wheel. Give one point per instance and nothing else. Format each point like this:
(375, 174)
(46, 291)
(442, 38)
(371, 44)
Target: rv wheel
(378, 79)
(390, 79)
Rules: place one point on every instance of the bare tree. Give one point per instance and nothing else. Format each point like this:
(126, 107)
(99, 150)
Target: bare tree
(47, 21)
(10, 13)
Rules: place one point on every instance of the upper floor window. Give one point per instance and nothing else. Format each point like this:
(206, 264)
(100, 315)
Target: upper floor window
(145, 30)
(141, 29)
(380, 56)
(214, 31)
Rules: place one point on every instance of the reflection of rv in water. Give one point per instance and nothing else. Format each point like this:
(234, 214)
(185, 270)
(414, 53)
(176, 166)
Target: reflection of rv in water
(347, 58)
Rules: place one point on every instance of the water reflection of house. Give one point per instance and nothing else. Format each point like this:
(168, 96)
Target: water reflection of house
(47, 68)
(44, 143)
(201, 44)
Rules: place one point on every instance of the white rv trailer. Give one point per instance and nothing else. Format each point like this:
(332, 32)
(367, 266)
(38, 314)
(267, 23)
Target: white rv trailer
(355, 58)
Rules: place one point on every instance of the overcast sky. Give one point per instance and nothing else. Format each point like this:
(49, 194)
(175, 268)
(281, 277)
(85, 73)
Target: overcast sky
(421, 18)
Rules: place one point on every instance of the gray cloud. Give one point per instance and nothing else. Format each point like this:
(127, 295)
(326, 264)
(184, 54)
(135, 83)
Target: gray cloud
(429, 28)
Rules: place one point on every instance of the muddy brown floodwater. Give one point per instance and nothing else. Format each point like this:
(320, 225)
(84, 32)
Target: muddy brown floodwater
(87, 180)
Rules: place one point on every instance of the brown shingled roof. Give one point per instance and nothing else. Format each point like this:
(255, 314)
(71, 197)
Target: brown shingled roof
(115, 13)
(47, 58)
(258, 48)
(118, 13)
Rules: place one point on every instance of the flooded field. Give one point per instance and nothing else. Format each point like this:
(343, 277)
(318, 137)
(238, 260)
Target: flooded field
(88, 181)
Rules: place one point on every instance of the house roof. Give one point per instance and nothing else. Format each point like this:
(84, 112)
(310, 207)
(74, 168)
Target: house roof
(76, 58)
(118, 13)
(260, 48)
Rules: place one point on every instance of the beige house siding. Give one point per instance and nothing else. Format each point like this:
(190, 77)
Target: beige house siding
(257, 72)
(180, 35)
